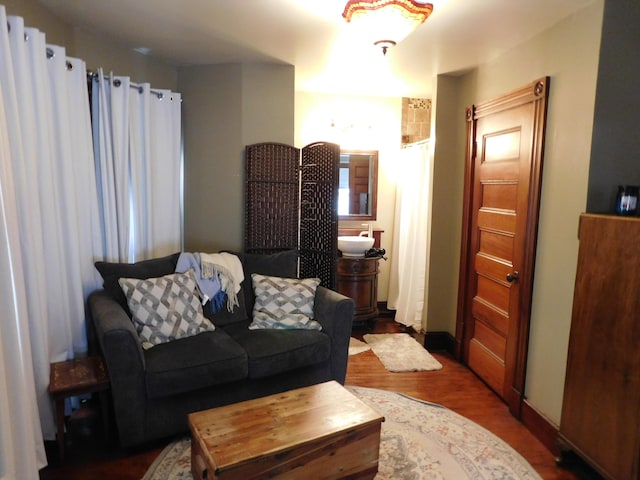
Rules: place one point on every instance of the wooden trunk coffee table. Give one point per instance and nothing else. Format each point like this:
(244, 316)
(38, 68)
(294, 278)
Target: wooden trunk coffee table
(317, 432)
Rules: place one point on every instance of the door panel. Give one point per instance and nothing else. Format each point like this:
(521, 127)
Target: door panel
(359, 185)
(501, 161)
(500, 221)
(499, 195)
(492, 265)
(490, 339)
(496, 244)
(487, 365)
(496, 319)
(501, 209)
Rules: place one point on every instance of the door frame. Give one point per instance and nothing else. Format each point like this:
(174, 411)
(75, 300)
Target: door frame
(536, 93)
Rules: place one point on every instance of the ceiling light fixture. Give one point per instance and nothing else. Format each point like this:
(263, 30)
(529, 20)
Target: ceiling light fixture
(387, 21)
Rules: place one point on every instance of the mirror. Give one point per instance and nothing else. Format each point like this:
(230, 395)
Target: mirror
(358, 187)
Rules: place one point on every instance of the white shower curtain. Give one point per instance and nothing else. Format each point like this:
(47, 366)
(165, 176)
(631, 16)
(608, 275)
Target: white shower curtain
(137, 139)
(49, 233)
(408, 269)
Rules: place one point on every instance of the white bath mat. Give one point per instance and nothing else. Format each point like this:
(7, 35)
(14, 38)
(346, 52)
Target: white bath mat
(399, 352)
(356, 346)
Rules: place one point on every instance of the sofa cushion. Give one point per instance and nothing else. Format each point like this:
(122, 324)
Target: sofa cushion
(281, 264)
(223, 316)
(276, 351)
(188, 364)
(111, 272)
(284, 303)
(165, 308)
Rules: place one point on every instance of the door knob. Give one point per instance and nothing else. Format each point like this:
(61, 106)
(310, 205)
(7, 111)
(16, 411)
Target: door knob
(511, 277)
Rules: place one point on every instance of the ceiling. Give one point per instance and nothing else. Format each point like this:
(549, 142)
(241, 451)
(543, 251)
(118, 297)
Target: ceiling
(313, 36)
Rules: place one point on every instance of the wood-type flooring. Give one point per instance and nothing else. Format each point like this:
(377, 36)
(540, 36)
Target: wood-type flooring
(87, 456)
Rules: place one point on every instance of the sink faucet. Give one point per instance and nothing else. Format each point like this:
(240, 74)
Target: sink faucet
(368, 232)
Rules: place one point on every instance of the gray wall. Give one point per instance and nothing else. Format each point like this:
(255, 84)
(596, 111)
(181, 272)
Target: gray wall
(95, 49)
(615, 151)
(225, 108)
(448, 128)
(37, 16)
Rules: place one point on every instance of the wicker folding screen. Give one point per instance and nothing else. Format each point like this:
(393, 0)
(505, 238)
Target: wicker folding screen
(272, 197)
(292, 203)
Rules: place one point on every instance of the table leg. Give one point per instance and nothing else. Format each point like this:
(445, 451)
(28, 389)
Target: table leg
(60, 426)
(104, 408)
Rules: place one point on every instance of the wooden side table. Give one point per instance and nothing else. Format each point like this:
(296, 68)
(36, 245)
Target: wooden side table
(78, 377)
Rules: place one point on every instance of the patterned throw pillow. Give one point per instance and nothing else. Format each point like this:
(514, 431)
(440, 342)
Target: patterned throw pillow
(284, 303)
(165, 308)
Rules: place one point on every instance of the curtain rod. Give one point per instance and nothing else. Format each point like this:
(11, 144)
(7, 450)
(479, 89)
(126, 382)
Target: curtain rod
(90, 74)
(159, 95)
(51, 54)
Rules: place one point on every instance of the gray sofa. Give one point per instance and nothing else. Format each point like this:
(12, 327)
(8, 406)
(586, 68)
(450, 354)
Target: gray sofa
(153, 390)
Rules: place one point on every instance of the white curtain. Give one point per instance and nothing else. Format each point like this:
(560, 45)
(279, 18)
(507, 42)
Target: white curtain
(21, 447)
(137, 144)
(61, 210)
(111, 148)
(49, 233)
(408, 269)
(165, 166)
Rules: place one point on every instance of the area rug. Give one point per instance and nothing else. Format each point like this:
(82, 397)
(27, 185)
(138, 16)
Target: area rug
(420, 440)
(356, 346)
(399, 352)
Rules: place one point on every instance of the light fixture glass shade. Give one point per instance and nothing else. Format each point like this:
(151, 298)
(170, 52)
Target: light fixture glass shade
(386, 22)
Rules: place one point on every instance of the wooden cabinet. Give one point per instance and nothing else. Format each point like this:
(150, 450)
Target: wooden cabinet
(358, 279)
(601, 408)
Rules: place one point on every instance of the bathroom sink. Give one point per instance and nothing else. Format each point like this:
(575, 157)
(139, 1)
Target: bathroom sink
(352, 246)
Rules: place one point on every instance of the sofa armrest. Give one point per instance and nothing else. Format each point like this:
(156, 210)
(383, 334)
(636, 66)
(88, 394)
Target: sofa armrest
(334, 312)
(123, 355)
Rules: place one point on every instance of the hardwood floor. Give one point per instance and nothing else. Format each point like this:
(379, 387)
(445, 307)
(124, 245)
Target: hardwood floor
(87, 456)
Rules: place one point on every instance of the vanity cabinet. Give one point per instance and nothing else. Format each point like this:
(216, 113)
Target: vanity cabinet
(358, 279)
(601, 408)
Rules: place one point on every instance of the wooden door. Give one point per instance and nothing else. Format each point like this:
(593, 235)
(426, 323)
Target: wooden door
(501, 211)
(359, 167)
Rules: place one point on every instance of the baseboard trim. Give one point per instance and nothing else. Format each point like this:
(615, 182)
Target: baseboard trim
(541, 427)
(439, 341)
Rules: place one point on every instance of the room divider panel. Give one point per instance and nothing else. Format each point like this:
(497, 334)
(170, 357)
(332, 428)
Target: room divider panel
(291, 202)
